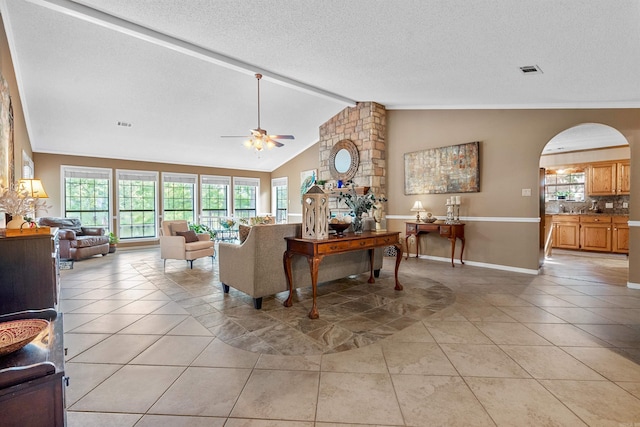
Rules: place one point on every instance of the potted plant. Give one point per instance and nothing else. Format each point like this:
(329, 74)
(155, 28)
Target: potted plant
(113, 242)
(562, 195)
(201, 228)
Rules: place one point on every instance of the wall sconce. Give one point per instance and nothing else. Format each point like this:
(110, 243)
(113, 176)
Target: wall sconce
(417, 207)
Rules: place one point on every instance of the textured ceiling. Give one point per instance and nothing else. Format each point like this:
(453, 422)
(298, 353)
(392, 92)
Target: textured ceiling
(181, 72)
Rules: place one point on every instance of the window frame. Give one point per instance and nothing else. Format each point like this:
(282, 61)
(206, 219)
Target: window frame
(277, 183)
(183, 178)
(246, 182)
(214, 221)
(140, 174)
(90, 173)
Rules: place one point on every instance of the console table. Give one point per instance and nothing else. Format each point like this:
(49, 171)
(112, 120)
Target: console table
(316, 250)
(448, 231)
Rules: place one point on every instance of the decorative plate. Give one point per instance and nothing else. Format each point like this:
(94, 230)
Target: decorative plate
(17, 333)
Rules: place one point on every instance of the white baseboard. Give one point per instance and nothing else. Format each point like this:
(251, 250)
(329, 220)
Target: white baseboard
(482, 264)
(632, 285)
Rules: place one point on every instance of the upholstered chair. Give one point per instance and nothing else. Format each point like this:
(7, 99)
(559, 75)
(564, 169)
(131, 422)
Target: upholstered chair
(178, 242)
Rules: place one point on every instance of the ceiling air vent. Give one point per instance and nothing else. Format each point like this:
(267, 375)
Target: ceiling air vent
(531, 69)
(124, 124)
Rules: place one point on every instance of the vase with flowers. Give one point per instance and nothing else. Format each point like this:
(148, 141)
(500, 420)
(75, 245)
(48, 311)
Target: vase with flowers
(19, 204)
(359, 204)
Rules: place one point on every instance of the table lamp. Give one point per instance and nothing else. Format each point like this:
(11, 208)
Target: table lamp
(33, 188)
(417, 207)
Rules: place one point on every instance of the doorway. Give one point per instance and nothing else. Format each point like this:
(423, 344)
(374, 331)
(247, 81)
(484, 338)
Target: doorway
(571, 160)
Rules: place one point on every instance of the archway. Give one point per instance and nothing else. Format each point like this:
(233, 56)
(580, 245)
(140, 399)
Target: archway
(583, 182)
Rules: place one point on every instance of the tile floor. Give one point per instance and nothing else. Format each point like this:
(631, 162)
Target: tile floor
(487, 347)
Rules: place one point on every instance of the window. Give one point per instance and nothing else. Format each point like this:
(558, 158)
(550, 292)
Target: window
(214, 200)
(137, 195)
(564, 184)
(87, 194)
(245, 191)
(179, 196)
(280, 198)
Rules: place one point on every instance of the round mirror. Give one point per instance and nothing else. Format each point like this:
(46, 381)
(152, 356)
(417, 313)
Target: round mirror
(343, 160)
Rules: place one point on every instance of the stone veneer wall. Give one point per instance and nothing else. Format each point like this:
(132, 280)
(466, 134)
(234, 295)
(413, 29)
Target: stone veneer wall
(365, 125)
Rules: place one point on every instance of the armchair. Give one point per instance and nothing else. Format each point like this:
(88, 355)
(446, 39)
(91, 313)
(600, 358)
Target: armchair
(176, 243)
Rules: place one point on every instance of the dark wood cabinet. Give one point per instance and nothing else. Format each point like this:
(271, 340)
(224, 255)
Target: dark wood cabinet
(32, 378)
(29, 276)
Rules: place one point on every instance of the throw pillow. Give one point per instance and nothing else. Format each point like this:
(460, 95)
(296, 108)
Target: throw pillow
(243, 232)
(179, 226)
(189, 236)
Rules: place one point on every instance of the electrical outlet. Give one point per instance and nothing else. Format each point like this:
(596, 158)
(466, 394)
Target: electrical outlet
(608, 205)
(625, 205)
(526, 192)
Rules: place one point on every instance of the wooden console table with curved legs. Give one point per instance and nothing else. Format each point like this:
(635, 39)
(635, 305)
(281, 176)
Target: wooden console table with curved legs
(448, 231)
(316, 250)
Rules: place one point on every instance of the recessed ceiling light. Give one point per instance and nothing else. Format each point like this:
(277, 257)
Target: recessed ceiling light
(530, 69)
(124, 124)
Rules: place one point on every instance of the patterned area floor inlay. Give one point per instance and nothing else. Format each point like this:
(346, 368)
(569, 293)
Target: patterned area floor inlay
(353, 313)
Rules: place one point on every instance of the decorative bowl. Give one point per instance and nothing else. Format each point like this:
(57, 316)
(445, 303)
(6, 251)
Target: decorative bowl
(17, 333)
(339, 227)
(430, 220)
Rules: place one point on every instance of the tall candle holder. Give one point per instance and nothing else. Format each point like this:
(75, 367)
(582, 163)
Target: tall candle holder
(450, 217)
(453, 210)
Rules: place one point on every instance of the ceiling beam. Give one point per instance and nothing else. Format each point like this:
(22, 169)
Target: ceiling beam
(123, 26)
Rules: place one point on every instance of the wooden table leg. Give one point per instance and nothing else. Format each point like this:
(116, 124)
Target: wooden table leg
(286, 260)
(398, 260)
(417, 244)
(462, 250)
(453, 249)
(314, 264)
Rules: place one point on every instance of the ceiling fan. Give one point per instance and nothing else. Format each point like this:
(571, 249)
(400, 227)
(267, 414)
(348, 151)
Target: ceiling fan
(259, 139)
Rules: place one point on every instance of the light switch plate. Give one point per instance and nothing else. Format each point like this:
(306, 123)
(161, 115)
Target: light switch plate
(526, 192)
(625, 205)
(608, 205)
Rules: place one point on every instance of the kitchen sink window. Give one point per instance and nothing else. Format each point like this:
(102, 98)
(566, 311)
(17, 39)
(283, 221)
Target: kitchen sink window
(565, 184)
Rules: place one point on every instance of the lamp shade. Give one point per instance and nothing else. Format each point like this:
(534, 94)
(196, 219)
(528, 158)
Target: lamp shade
(33, 187)
(417, 207)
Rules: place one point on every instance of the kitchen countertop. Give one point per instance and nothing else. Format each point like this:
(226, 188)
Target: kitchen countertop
(586, 214)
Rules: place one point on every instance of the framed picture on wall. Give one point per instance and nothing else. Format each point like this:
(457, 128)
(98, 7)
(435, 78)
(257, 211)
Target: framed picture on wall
(7, 173)
(307, 179)
(452, 169)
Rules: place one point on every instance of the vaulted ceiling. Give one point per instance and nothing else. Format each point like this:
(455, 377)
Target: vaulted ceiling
(181, 73)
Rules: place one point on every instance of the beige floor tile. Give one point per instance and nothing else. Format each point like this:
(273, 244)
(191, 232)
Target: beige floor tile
(172, 351)
(546, 362)
(368, 359)
(617, 335)
(414, 333)
(140, 307)
(456, 332)
(107, 324)
(222, 355)
(179, 421)
(586, 301)
(606, 362)
(119, 349)
(132, 294)
(84, 377)
(597, 402)
(474, 313)
(190, 326)
(97, 419)
(68, 305)
(546, 301)
(245, 422)
(626, 316)
(102, 307)
(72, 321)
(203, 392)
(566, 335)
(438, 401)
(158, 324)
(511, 333)
(578, 315)
(77, 343)
(171, 308)
(267, 396)
(156, 296)
(531, 314)
(133, 389)
(417, 358)
(357, 398)
(289, 363)
(482, 361)
(631, 387)
(521, 402)
(505, 300)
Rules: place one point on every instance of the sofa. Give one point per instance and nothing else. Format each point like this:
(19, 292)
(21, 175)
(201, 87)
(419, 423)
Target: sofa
(78, 242)
(256, 267)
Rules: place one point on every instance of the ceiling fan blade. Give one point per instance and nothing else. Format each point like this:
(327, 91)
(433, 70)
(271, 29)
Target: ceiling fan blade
(276, 143)
(234, 136)
(282, 137)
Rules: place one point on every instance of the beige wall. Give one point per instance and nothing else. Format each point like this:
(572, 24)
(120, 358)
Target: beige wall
(20, 135)
(309, 159)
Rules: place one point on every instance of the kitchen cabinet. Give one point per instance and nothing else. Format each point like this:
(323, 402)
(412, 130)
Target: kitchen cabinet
(608, 178)
(566, 231)
(620, 237)
(595, 233)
